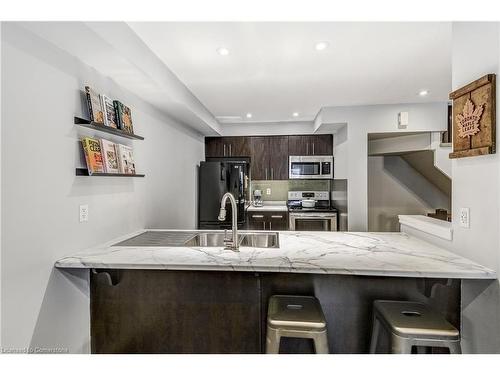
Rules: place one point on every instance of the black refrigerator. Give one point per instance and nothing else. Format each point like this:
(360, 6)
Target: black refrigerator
(217, 177)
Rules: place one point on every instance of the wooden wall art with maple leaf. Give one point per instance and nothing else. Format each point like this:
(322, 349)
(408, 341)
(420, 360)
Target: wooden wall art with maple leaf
(473, 123)
(468, 120)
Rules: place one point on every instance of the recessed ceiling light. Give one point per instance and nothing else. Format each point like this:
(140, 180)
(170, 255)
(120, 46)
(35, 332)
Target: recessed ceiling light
(423, 93)
(295, 114)
(223, 51)
(249, 115)
(320, 46)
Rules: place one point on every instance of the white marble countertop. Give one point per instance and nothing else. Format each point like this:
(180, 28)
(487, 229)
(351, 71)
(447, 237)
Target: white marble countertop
(273, 206)
(440, 228)
(348, 253)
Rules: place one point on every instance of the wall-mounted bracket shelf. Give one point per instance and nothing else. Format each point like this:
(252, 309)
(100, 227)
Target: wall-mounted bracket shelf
(110, 277)
(85, 172)
(106, 129)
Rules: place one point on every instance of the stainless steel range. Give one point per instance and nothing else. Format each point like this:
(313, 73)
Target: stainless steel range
(311, 211)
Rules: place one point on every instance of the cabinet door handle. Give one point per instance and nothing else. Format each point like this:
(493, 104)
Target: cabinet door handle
(277, 216)
(257, 216)
(264, 225)
(313, 147)
(266, 174)
(230, 150)
(224, 153)
(270, 226)
(307, 148)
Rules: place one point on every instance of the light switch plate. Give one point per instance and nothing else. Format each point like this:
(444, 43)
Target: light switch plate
(268, 191)
(402, 120)
(464, 217)
(84, 213)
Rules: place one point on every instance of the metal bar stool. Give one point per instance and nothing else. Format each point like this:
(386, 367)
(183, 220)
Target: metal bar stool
(295, 316)
(412, 324)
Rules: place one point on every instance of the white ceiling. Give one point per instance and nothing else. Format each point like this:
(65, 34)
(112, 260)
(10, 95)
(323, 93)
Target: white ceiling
(273, 69)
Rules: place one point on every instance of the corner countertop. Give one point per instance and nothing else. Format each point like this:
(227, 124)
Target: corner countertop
(439, 228)
(348, 253)
(272, 206)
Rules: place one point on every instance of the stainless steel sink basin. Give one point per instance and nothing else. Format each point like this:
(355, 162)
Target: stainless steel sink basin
(265, 240)
(268, 240)
(206, 240)
(201, 239)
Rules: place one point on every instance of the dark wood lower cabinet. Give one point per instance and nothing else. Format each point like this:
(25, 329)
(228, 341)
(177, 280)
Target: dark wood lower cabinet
(155, 311)
(267, 220)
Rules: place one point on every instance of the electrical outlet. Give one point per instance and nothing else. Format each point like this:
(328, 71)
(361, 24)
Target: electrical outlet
(84, 213)
(464, 217)
(268, 191)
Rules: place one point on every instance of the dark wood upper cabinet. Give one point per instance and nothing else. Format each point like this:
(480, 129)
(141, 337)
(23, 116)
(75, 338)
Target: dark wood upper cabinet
(323, 144)
(227, 146)
(238, 146)
(301, 145)
(259, 153)
(214, 147)
(269, 154)
(278, 161)
(269, 158)
(298, 145)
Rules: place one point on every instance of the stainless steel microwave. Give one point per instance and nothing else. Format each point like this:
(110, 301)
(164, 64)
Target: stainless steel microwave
(310, 167)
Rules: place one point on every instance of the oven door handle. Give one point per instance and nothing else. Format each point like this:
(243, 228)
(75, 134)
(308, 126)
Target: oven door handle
(313, 217)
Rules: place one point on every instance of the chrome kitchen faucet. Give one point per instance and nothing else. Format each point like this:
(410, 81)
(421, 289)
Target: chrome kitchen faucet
(230, 244)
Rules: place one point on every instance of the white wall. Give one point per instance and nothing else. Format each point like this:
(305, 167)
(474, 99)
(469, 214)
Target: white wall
(41, 92)
(396, 188)
(476, 185)
(352, 155)
(266, 128)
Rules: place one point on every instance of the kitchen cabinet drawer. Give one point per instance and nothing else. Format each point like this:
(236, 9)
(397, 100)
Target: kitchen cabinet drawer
(267, 220)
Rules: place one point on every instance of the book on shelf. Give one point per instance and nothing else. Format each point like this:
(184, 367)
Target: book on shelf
(109, 112)
(124, 117)
(93, 155)
(126, 161)
(109, 156)
(95, 106)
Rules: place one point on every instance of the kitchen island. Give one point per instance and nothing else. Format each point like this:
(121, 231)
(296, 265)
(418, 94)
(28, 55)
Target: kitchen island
(182, 299)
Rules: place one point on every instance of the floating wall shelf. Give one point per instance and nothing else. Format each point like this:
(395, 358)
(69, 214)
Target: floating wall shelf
(106, 129)
(85, 172)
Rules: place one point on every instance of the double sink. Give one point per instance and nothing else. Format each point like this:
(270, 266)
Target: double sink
(200, 239)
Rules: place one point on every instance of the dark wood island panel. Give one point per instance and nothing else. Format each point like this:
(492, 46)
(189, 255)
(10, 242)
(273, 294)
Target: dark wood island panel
(176, 312)
(159, 311)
